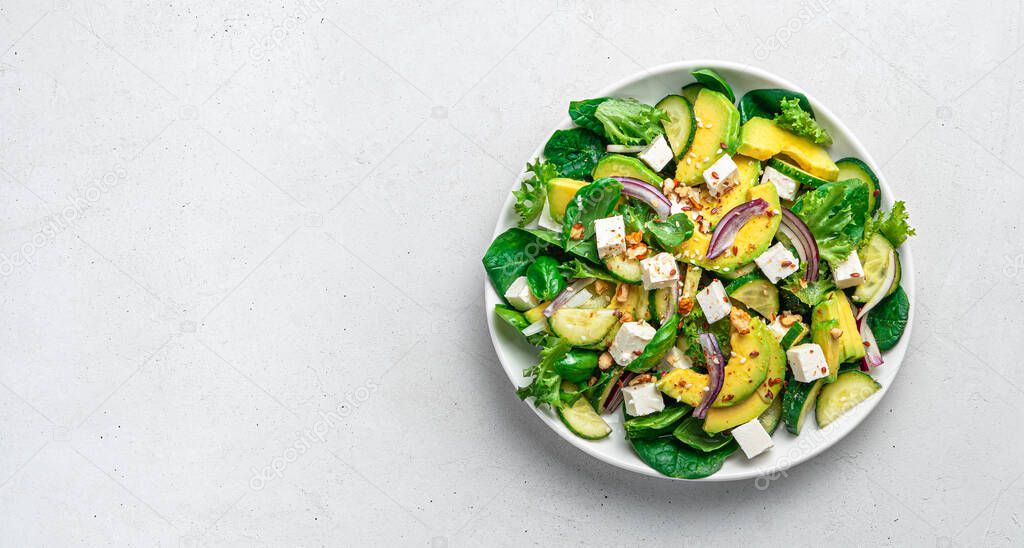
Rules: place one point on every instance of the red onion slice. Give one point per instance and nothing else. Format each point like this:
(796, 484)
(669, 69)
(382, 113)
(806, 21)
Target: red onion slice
(716, 373)
(806, 246)
(883, 290)
(615, 395)
(731, 223)
(872, 355)
(646, 193)
(566, 294)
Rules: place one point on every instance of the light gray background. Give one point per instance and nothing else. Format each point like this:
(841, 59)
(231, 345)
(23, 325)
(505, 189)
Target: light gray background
(221, 224)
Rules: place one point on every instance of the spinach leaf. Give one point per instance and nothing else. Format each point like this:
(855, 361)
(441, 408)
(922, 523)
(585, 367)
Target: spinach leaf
(545, 278)
(767, 103)
(510, 254)
(670, 457)
(594, 201)
(630, 122)
(546, 386)
(636, 215)
(888, 320)
(579, 269)
(519, 322)
(691, 432)
(574, 152)
(714, 81)
(533, 191)
(582, 114)
(660, 344)
(672, 232)
(577, 365)
(836, 214)
(654, 425)
(895, 226)
(800, 122)
(586, 250)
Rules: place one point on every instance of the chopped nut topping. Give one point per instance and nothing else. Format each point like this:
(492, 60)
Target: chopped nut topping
(626, 316)
(591, 381)
(788, 319)
(577, 232)
(637, 251)
(604, 361)
(601, 286)
(622, 293)
(668, 186)
(634, 237)
(685, 306)
(641, 379)
(836, 332)
(740, 320)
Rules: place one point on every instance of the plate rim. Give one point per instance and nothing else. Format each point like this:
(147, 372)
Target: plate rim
(896, 355)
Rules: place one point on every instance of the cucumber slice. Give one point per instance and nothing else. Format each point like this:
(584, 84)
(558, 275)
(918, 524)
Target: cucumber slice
(581, 419)
(772, 416)
(606, 391)
(854, 168)
(718, 124)
(660, 303)
(796, 333)
(690, 91)
(581, 327)
(757, 293)
(625, 269)
(797, 401)
(849, 389)
(797, 174)
(874, 257)
(680, 126)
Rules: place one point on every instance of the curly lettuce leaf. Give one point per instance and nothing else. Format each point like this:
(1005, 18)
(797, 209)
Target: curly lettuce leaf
(546, 386)
(895, 226)
(576, 269)
(630, 122)
(800, 122)
(836, 214)
(533, 191)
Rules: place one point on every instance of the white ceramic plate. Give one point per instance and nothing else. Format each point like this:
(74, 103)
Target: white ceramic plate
(515, 354)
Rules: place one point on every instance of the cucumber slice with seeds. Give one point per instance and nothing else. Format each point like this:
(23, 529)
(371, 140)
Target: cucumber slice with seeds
(874, 257)
(849, 389)
(795, 173)
(757, 293)
(797, 401)
(581, 419)
(581, 327)
(680, 126)
(625, 269)
(854, 168)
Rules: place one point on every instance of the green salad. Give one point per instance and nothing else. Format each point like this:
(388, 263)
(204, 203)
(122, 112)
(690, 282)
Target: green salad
(704, 267)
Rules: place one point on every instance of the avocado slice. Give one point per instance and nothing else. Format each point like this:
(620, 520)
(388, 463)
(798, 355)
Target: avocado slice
(617, 165)
(560, 191)
(718, 124)
(746, 370)
(751, 408)
(751, 241)
(761, 138)
(832, 313)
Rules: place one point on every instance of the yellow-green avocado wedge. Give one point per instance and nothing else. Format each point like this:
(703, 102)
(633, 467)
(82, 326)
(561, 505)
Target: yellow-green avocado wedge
(761, 138)
(560, 192)
(751, 241)
(718, 123)
(749, 409)
(747, 369)
(835, 312)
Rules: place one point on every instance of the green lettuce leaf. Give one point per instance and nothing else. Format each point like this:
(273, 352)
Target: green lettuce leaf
(546, 386)
(895, 226)
(836, 214)
(582, 114)
(801, 122)
(630, 122)
(579, 269)
(812, 293)
(533, 191)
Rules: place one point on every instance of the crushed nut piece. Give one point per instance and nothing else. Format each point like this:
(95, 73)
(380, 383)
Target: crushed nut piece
(634, 237)
(788, 319)
(685, 306)
(626, 316)
(668, 186)
(641, 379)
(740, 320)
(836, 332)
(604, 361)
(601, 286)
(637, 251)
(591, 381)
(577, 232)
(622, 293)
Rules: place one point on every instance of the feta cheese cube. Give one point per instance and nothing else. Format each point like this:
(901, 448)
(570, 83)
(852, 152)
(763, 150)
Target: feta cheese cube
(753, 438)
(658, 154)
(849, 272)
(519, 296)
(777, 263)
(785, 185)
(777, 329)
(721, 175)
(675, 359)
(611, 236)
(630, 341)
(807, 362)
(659, 271)
(642, 399)
(547, 221)
(714, 301)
